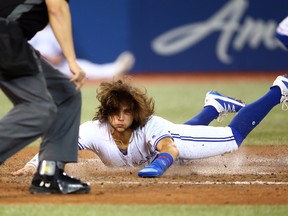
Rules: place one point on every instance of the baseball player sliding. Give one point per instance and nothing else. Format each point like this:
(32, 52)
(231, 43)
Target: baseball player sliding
(124, 131)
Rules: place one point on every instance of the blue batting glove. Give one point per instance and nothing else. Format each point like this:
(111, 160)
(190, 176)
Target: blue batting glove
(157, 167)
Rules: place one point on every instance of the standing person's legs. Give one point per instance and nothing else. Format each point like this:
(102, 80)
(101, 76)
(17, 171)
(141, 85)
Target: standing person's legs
(22, 80)
(59, 143)
(32, 114)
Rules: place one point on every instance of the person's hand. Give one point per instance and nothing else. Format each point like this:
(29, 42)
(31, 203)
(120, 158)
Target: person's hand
(25, 171)
(79, 76)
(160, 164)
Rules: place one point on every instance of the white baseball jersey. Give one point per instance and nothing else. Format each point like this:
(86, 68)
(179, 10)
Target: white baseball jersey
(193, 142)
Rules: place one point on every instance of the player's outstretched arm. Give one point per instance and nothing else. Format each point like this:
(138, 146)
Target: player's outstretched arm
(168, 154)
(29, 168)
(25, 171)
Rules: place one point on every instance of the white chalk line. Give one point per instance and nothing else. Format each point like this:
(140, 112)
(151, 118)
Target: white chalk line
(195, 183)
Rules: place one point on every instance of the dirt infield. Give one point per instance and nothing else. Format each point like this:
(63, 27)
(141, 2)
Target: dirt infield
(252, 175)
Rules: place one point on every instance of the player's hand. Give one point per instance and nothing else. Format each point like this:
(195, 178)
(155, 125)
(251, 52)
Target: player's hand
(79, 76)
(25, 171)
(160, 164)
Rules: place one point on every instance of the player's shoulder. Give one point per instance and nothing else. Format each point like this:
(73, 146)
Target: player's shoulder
(87, 123)
(90, 125)
(157, 120)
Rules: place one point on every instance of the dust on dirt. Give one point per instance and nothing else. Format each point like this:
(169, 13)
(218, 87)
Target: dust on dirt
(252, 175)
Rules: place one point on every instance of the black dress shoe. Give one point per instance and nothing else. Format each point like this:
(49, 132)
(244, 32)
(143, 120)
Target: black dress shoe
(60, 183)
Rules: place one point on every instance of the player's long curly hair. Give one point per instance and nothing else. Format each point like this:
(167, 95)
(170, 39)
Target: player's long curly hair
(113, 94)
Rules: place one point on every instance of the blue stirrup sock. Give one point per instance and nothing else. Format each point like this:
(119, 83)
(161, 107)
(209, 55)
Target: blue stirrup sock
(205, 117)
(251, 115)
(159, 165)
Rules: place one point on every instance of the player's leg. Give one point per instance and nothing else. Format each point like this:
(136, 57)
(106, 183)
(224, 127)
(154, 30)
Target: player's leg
(251, 115)
(216, 105)
(197, 141)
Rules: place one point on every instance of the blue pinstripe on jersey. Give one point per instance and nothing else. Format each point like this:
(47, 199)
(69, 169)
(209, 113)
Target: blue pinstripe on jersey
(203, 139)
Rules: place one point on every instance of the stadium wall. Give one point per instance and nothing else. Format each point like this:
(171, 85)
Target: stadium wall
(182, 35)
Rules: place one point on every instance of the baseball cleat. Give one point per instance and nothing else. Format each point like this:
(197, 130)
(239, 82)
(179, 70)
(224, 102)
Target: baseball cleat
(282, 83)
(60, 183)
(223, 104)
